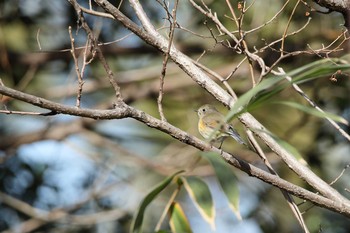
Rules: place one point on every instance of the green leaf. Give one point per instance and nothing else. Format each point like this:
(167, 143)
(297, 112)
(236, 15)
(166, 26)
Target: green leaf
(227, 180)
(200, 194)
(243, 101)
(313, 111)
(178, 220)
(136, 226)
(271, 86)
(318, 68)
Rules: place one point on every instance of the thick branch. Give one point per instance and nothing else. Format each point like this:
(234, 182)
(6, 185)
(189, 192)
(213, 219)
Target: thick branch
(341, 6)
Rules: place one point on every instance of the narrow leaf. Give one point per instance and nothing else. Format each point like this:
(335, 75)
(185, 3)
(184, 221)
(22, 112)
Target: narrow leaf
(319, 68)
(178, 220)
(318, 72)
(269, 87)
(246, 98)
(136, 226)
(313, 111)
(200, 194)
(227, 180)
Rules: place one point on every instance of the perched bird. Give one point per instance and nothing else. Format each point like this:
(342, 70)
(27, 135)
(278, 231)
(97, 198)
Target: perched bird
(212, 125)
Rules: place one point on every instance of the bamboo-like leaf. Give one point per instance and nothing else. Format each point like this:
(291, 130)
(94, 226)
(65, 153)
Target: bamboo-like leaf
(136, 226)
(313, 111)
(247, 97)
(200, 194)
(265, 95)
(269, 87)
(227, 180)
(318, 69)
(178, 220)
(314, 70)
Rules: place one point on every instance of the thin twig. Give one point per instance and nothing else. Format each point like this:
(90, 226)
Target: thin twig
(236, 68)
(96, 13)
(269, 21)
(340, 175)
(165, 62)
(217, 76)
(289, 34)
(287, 26)
(28, 113)
(37, 38)
(232, 13)
(77, 69)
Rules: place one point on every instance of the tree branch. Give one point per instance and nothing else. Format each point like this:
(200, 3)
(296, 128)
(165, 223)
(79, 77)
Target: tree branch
(117, 113)
(341, 6)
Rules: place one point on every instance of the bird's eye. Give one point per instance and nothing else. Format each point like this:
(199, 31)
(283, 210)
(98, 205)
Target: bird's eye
(203, 110)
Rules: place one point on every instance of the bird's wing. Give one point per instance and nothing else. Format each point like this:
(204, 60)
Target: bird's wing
(213, 124)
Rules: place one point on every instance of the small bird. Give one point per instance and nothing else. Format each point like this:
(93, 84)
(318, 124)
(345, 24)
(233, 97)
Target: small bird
(212, 125)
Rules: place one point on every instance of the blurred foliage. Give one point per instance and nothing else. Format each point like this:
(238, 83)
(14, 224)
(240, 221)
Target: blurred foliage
(111, 165)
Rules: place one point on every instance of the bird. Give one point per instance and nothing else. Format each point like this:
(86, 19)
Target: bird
(212, 125)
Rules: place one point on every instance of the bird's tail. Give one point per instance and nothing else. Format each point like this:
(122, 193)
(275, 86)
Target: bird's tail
(234, 134)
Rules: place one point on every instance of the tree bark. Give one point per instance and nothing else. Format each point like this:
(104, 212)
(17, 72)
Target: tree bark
(341, 6)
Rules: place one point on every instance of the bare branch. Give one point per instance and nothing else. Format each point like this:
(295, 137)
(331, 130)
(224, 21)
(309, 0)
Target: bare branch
(342, 6)
(28, 113)
(340, 175)
(96, 13)
(287, 26)
(165, 62)
(269, 21)
(76, 63)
